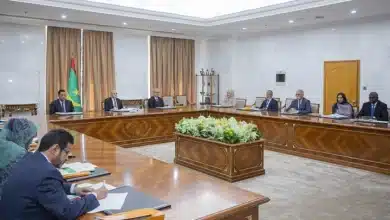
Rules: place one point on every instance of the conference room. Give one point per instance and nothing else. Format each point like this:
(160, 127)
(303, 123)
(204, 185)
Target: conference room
(194, 110)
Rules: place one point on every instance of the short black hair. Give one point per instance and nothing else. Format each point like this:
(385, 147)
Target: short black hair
(61, 90)
(53, 137)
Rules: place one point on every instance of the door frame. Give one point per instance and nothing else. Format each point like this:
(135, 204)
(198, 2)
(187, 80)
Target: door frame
(358, 80)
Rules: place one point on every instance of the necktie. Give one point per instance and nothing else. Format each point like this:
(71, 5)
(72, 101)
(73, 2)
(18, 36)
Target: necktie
(268, 101)
(114, 103)
(63, 106)
(299, 103)
(372, 110)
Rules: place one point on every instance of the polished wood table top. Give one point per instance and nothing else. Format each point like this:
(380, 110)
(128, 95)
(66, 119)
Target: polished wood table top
(191, 194)
(311, 118)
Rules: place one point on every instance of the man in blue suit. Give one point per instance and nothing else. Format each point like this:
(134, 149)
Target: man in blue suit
(300, 104)
(269, 104)
(61, 104)
(36, 190)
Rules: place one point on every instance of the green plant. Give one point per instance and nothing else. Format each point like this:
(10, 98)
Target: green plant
(225, 130)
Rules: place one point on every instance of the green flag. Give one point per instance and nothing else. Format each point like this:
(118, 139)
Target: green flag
(73, 88)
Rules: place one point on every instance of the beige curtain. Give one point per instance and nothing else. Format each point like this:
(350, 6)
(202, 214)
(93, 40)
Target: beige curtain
(62, 45)
(99, 70)
(172, 65)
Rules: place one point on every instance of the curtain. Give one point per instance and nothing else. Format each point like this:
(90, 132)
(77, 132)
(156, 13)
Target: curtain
(172, 65)
(99, 70)
(62, 45)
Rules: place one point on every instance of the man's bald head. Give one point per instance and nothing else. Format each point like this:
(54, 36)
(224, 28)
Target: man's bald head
(114, 94)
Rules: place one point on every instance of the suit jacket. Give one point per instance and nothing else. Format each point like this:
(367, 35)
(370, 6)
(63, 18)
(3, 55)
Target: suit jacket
(304, 106)
(272, 106)
(55, 106)
(152, 103)
(380, 112)
(36, 190)
(108, 104)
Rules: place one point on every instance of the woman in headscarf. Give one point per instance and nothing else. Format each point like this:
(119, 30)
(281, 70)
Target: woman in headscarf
(15, 139)
(342, 106)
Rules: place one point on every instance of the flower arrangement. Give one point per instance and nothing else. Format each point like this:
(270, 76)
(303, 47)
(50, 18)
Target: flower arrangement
(224, 130)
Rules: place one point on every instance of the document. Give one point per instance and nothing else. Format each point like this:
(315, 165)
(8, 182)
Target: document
(93, 186)
(113, 201)
(77, 167)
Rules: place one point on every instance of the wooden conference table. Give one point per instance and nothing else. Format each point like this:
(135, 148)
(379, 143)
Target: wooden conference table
(360, 145)
(192, 195)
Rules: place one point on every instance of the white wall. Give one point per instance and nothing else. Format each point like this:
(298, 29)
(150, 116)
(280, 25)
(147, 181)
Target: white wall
(22, 60)
(250, 65)
(131, 65)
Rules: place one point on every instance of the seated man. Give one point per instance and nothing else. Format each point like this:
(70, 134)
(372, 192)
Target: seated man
(300, 104)
(36, 189)
(374, 108)
(61, 104)
(112, 102)
(155, 101)
(269, 104)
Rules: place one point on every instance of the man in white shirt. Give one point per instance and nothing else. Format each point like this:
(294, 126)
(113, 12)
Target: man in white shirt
(112, 102)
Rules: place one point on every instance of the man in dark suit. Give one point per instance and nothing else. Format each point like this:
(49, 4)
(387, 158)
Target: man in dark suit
(36, 190)
(300, 104)
(155, 101)
(112, 102)
(269, 104)
(61, 104)
(374, 108)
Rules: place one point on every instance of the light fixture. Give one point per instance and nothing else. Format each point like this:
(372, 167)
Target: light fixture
(63, 16)
(10, 80)
(22, 42)
(353, 11)
(173, 29)
(244, 28)
(124, 23)
(333, 29)
(41, 42)
(1, 41)
(291, 21)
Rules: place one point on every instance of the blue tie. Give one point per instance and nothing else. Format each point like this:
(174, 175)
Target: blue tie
(372, 110)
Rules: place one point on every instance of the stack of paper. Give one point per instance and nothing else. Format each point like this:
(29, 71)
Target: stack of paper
(78, 167)
(113, 201)
(93, 186)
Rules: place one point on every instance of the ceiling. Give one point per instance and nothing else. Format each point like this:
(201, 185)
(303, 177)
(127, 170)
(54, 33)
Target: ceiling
(291, 15)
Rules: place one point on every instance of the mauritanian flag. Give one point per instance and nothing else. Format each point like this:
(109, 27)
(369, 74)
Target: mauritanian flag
(73, 88)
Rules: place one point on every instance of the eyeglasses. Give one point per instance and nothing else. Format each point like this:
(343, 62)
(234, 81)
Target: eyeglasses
(66, 150)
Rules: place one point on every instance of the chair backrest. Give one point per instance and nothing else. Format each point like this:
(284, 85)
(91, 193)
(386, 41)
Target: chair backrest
(355, 111)
(240, 103)
(388, 110)
(288, 101)
(259, 101)
(168, 101)
(181, 100)
(130, 103)
(315, 108)
(279, 105)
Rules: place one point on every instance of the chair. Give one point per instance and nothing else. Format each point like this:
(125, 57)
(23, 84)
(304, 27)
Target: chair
(181, 100)
(131, 103)
(168, 100)
(240, 103)
(259, 101)
(279, 105)
(355, 111)
(388, 110)
(21, 108)
(315, 108)
(288, 101)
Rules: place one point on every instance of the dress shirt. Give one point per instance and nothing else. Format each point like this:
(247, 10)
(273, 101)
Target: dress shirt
(114, 103)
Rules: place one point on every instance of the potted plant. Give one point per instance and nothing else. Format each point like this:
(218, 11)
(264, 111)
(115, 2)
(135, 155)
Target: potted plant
(225, 148)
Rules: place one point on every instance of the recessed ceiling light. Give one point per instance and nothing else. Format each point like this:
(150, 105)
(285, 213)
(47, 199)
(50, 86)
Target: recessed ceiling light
(244, 28)
(41, 42)
(173, 29)
(124, 23)
(353, 11)
(291, 21)
(333, 29)
(10, 80)
(22, 42)
(64, 16)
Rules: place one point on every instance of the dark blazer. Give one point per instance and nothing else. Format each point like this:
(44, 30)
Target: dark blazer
(152, 103)
(304, 107)
(55, 106)
(380, 113)
(36, 190)
(272, 106)
(108, 104)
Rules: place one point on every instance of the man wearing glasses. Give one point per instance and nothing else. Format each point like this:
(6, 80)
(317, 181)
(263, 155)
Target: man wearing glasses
(37, 190)
(300, 104)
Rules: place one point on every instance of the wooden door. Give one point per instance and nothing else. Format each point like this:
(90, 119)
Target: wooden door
(341, 76)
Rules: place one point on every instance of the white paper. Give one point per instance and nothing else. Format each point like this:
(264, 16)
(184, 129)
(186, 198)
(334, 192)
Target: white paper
(113, 201)
(96, 186)
(80, 167)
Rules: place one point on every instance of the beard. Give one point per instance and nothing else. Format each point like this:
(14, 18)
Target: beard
(58, 162)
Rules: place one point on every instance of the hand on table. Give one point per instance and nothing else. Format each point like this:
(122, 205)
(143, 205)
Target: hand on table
(101, 193)
(83, 191)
